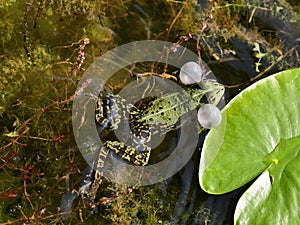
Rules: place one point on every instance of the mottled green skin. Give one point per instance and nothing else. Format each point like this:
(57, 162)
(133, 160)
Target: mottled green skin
(164, 112)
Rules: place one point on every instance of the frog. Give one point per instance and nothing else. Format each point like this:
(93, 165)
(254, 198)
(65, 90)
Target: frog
(160, 116)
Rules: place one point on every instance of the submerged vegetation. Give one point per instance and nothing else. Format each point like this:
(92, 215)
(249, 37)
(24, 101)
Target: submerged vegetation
(45, 48)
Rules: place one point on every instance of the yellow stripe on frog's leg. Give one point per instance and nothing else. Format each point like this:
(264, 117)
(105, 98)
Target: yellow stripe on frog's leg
(130, 153)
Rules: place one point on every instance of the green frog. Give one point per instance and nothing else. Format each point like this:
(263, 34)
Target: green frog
(160, 116)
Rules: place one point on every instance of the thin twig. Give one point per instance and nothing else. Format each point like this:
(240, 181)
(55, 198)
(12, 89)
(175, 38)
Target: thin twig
(25, 24)
(280, 58)
(38, 13)
(174, 21)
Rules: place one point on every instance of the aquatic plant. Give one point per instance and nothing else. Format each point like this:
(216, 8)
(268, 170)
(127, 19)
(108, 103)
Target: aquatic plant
(232, 30)
(258, 138)
(37, 86)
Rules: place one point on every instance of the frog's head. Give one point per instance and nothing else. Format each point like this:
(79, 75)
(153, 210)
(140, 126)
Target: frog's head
(213, 91)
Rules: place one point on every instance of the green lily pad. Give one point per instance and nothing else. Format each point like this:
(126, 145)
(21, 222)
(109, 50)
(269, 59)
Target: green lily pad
(259, 137)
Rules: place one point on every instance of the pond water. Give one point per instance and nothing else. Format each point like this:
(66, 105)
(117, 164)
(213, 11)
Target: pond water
(46, 48)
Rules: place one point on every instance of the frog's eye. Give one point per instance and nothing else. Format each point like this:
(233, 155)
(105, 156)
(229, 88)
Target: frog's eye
(211, 98)
(209, 116)
(190, 73)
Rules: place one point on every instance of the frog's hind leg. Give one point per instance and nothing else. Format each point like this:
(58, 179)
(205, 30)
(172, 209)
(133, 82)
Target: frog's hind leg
(129, 153)
(92, 181)
(88, 189)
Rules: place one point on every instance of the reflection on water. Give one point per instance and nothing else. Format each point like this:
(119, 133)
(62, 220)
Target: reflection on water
(239, 40)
